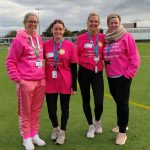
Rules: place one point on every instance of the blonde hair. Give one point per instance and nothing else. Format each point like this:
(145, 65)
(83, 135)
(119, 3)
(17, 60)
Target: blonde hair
(93, 14)
(113, 15)
(28, 15)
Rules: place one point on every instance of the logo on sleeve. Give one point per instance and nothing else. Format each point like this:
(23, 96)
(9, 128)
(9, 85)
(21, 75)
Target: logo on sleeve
(61, 51)
(100, 44)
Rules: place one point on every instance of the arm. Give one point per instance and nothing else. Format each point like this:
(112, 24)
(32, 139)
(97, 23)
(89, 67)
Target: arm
(74, 76)
(12, 61)
(134, 59)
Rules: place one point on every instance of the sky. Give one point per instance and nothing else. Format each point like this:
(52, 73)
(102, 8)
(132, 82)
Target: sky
(74, 13)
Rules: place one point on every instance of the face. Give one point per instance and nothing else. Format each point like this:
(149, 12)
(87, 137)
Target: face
(113, 24)
(93, 23)
(31, 24)
(58, 31)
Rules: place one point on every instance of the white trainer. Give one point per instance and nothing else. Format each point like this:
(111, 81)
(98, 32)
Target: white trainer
(36, 140)
(121, 138)
(91, 131)
(60, 137)
(55, 133)
(27, 143)
(116, 129)
(98, 126)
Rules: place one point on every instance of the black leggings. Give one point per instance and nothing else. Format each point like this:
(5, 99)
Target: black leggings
(87, 78)
(51, 100)
(120, 91)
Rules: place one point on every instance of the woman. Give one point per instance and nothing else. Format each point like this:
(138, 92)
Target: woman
(61, 75)
(25, 67)
(90, 47)
(121, 62)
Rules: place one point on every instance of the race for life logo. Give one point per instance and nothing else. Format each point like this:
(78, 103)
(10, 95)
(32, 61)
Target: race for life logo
(100, 44)
(61, 51)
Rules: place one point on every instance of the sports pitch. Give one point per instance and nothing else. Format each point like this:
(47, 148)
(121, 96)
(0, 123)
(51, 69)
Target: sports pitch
(139, 121)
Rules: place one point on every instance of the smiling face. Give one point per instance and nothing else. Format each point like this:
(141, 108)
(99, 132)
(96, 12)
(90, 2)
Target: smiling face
(58, 30)
(31, 25)
(113, 24)
(93, 24)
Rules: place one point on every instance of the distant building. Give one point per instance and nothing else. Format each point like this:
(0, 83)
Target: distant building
(130, 25)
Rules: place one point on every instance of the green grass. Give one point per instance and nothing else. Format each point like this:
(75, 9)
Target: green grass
(139, 123)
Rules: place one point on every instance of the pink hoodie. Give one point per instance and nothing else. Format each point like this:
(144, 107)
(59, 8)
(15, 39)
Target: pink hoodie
(124, 57)
(21, 59)
(86, 52)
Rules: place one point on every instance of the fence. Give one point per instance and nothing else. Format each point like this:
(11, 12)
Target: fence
(138, 34)
(5, 41)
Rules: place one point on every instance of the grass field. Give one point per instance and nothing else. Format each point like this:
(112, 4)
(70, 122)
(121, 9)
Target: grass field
(139, 123)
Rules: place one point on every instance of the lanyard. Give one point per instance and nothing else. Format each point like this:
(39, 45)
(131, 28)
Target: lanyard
(35, 47)
(95, 47)
(56, 51)
(109, 47)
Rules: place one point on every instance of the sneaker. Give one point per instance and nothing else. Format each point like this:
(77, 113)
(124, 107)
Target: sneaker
(91, 131)
(27, 143)
(55, 133)
(36, 140)
(98, 126)
(60, 137)
(121, 138)
(116, 129)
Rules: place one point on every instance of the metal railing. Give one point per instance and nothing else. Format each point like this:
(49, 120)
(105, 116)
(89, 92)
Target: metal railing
(138, 34)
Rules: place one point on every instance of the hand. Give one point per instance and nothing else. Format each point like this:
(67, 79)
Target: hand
(73, 92)
(19, 81)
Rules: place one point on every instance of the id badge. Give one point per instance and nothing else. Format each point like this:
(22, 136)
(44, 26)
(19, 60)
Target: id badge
(96, 69)
(54, 74)
(39, 63)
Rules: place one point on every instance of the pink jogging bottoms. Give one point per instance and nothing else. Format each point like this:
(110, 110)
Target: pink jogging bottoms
(30, 100)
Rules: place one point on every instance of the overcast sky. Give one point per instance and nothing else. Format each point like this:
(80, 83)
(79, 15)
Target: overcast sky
(74, 13)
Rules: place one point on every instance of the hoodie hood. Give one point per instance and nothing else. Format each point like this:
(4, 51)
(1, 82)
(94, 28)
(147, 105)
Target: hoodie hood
(23, 33)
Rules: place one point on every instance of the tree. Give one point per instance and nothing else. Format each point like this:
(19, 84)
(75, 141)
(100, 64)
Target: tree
(75, 33)
(47, 33)
(68, 33)
(81, 32)
(11, 34)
